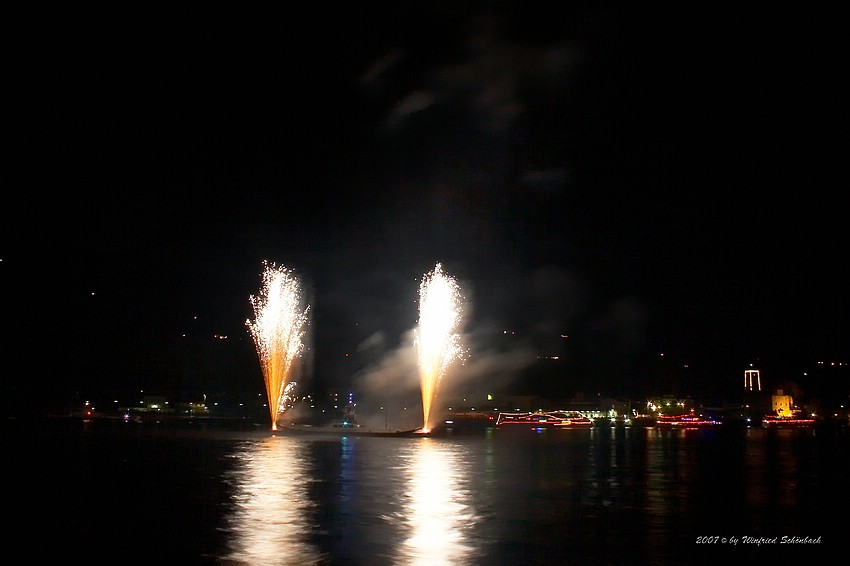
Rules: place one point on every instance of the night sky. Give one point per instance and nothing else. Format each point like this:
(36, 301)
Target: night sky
(663, 181)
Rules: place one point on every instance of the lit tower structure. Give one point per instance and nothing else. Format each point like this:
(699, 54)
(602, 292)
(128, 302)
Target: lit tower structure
(752, 380)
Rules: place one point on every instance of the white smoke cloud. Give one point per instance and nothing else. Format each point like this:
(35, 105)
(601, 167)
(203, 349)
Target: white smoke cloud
(487, 76)
(394, 375)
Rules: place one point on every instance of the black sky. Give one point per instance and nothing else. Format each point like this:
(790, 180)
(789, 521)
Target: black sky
(663, 180)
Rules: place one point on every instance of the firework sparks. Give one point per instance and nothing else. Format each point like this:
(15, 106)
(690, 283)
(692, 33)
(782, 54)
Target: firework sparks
(278, 330)
(437, 343)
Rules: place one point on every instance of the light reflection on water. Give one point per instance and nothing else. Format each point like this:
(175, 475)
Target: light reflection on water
(267, 521)
(597, 496)
(324, 500)
(438, 510)
(602, 494)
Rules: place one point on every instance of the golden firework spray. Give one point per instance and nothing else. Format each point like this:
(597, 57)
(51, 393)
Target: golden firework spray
(437, 342)
(278, 330)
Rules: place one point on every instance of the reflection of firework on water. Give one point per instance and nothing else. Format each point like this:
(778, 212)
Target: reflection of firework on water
(437, 343)
(277, 330)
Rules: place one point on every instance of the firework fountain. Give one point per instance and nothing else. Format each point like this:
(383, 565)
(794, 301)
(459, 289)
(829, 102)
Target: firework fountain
(437, 342)
(278, 329)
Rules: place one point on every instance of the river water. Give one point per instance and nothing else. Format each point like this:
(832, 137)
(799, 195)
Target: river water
(119, 493)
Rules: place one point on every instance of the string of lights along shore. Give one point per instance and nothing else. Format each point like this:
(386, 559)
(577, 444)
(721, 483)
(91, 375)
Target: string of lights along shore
(437, 341)
(280, 321)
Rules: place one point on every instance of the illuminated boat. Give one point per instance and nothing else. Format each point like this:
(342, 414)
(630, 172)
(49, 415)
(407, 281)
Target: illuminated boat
(685, 421)
(541, 419)
(774, 421)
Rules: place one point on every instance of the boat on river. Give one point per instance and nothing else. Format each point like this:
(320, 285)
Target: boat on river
(347, 426)
(685, 421)
(776, 421)
(346, 429)
(543, 419)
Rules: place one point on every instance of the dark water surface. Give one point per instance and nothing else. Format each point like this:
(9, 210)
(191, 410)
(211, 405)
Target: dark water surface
(120, 493)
